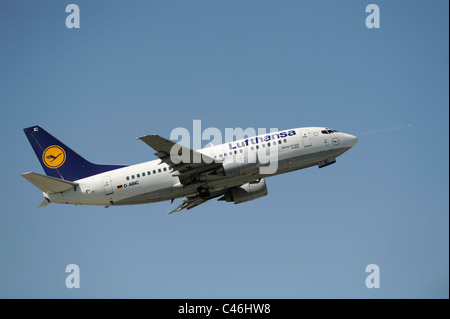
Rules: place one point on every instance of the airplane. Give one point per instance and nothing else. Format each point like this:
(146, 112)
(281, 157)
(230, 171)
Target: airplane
(224, 171)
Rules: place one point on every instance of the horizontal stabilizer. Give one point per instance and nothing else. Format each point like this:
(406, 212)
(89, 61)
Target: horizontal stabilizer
(49, 184)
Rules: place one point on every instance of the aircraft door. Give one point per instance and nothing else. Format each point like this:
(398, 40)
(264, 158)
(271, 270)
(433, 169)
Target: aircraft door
(306, 138)
(108, 185)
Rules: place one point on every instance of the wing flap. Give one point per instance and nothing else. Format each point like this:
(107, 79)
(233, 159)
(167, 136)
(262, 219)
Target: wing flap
(49, 184)
(190, 202)
(193, 201)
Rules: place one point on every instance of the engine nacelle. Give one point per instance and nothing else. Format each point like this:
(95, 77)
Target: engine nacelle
(234, 169)
(246, 192)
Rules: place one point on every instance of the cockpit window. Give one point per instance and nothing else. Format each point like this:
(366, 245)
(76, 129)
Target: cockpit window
(328, 131)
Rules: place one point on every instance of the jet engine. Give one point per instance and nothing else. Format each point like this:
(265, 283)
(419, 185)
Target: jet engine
(246, 192)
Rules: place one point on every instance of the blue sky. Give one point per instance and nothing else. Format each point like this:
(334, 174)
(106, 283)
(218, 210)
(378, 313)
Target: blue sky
(148, 67)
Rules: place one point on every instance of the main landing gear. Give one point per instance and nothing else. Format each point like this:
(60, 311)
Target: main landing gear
(203, 191)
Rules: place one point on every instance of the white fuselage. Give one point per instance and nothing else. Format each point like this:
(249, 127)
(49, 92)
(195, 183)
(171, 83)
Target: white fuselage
(153, 181)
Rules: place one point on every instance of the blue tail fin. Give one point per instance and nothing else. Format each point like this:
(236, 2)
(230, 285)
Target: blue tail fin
(60, 161)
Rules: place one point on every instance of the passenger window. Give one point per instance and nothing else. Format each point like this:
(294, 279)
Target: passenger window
(154, 171)
(132, 176)
(279, 142)
(235, 152)
(143, 174)
(257, 147)
(159, 170)
(128, 178)
(148, 173)
(220, 155)
(252, 148)
(285, 140)
(165, 169)
(225, 154)
(264, 145)
(215, 156)
(138, 175)
(268, 144)
(240, 151)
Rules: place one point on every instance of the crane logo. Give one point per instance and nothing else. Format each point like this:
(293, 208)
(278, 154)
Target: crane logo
(54, 156)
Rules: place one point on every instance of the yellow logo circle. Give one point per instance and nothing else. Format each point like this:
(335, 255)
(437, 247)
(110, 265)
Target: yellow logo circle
(54, 156)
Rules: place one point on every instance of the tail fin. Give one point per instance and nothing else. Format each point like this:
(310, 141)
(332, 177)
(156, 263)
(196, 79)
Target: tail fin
(60, 161)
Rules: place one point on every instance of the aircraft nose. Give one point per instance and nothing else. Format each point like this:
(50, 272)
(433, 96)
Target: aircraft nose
(351, 140)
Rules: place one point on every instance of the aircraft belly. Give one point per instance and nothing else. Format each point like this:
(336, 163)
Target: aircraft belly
(138, 199)
(307, 160)
(154, 196)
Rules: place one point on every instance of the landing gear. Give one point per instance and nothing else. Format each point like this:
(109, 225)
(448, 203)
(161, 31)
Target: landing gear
(203, 191)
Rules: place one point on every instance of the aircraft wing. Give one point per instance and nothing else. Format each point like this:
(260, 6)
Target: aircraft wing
(195, 200)
(187, 162)
(190, 202)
